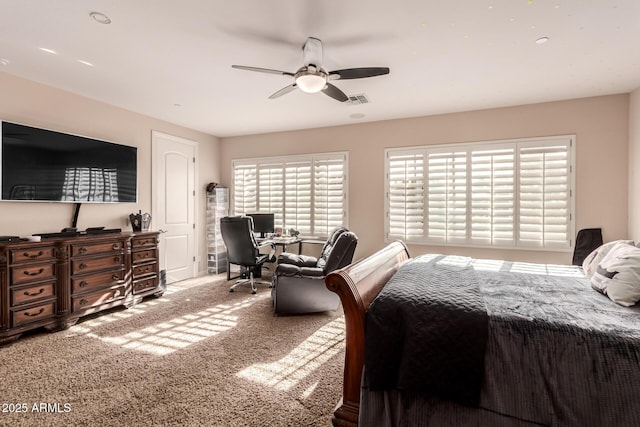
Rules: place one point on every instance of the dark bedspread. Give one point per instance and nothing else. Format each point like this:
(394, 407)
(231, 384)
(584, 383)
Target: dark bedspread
(558, 353)
(427, 331)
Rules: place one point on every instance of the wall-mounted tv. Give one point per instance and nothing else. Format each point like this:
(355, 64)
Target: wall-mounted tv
(43, 165)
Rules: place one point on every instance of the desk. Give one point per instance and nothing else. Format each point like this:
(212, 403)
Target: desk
(281, 241)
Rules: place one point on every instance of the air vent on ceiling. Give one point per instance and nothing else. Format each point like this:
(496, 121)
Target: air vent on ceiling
(358, 99)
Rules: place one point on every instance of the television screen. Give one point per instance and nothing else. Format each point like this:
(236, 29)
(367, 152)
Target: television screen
(43, 165)
(263, 223)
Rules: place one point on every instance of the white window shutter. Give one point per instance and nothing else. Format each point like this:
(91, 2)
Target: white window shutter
(405, 195)
(544, 196)
(447, 197)
(297, 203)
(329, 194)
(306, 192)
(515, 193)
(245, 192)
(271, 190)
(493, 196)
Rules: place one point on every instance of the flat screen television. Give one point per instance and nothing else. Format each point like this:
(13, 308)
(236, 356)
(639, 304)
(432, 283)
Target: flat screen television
(263, 223)
(43, 165)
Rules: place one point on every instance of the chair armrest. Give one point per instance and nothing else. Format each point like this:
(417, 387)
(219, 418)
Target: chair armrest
(272, 251)
(297, 260)
(312, 272)
(290, 270)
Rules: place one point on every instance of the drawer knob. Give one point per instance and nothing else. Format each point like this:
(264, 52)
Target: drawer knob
(82, 266)
(116, 258)
(35, 293)
(83, 284)
(35, 273)
(84, 301)
(115, 277)
(82, 250)
(32, 256)
(115, 246)
(26, 313)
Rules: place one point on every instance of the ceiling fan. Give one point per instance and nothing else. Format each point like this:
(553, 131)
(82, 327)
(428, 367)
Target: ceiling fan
(312, 78)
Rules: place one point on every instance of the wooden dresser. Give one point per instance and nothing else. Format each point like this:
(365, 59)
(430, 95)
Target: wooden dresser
(144, 265)
(53, 283)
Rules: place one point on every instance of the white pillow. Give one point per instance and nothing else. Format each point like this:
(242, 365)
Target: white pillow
(597, 255)
(618, 274)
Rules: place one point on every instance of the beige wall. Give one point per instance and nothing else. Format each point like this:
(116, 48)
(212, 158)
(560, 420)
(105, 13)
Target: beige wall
(600, 123)
(30, 103)
(634, 165)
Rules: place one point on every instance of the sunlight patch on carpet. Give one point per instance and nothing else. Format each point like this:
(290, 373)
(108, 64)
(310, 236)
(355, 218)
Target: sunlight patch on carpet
(303, 360)
(174, 334)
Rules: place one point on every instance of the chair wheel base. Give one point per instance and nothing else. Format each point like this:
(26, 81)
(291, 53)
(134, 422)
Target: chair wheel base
(253, 292)
(230, 290)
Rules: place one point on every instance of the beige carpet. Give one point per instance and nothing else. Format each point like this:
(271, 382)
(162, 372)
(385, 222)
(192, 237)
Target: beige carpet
(198, 356)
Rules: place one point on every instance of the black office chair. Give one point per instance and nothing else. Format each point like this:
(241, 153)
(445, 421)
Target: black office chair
(243, 250)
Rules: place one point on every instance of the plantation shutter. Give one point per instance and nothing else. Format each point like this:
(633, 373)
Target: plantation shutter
(271, 190)
(447, 196)
(297, 203)
(405, 195)
(306, 192)
(245, 180)
(329, 194)
(515, 193)
(493, 196)
(545, 195)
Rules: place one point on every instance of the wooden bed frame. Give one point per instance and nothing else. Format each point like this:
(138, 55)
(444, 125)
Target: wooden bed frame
(357, 285)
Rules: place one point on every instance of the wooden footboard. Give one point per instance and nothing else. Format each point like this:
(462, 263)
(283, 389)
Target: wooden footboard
(357, 285)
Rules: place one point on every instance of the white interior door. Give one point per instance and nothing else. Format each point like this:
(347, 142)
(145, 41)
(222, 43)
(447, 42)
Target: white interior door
(173, 187)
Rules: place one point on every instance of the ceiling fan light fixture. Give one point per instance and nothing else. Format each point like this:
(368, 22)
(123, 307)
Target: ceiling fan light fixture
(311, 83)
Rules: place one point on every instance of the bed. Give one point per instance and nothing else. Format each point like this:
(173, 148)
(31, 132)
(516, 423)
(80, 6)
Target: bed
(555, 352)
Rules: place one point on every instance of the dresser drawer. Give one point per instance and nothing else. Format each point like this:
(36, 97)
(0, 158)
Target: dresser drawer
(98, 298)
(31, 254)
(144, 255)
(93, 281)
(32, 293)
(32, 273)
(140, 286)
(96, 248)
(93, 264)
(145, 269)
(32, 314)
(138, 242)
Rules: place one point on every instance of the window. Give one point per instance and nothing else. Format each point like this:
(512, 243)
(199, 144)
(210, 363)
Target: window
(307, 192)
(515, 193)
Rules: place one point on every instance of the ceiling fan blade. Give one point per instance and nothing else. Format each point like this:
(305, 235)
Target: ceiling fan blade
(358, 73)
(262, 70)
(335, 93)
(312, 52)
(283, 91)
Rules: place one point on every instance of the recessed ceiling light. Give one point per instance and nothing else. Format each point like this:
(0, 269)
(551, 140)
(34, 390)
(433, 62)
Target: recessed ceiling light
(85, 63)
(542, 40)
(44, 49)
(100, 18)
(4, 61)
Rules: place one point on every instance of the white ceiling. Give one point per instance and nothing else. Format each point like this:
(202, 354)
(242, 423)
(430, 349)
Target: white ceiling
(172, 59)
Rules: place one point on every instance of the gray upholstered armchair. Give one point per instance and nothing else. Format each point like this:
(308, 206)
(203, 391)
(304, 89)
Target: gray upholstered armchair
(298, 282)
